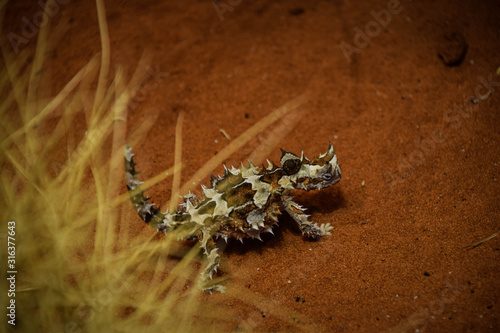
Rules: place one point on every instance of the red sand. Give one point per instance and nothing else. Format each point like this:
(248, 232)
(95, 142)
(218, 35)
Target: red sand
(401, 123)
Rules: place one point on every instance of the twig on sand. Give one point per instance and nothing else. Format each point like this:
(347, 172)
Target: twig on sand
(470, 247)
(225, 134)
(477, 100)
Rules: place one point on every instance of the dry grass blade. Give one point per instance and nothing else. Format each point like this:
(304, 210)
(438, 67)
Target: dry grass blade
(470, 247)
(54, 103)
(176, 182)
(103, 73)
(242, 139)
(275, 136)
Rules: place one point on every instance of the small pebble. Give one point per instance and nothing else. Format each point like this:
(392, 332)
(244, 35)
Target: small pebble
(452, 48)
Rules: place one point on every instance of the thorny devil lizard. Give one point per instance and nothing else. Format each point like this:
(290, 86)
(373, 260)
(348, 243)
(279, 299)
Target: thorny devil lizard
(243, 203)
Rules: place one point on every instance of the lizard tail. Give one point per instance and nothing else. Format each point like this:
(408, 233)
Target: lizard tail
(152, 216)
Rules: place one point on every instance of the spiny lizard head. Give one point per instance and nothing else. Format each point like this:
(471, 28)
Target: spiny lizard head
(303, 174)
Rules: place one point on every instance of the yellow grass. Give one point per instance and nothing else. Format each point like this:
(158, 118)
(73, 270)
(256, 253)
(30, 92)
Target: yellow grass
(80, 267)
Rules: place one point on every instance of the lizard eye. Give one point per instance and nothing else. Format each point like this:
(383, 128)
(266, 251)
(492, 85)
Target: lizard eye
(291, 166)
(326, 176)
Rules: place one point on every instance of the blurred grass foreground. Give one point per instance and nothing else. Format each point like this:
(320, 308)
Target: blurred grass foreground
(77, 268)
(75, 260)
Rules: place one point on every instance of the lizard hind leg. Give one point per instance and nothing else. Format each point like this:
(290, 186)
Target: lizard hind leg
(212, 259)
(212, 263)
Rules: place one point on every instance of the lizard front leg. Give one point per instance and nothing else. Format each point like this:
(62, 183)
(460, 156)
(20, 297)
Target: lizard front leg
(308, 228)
